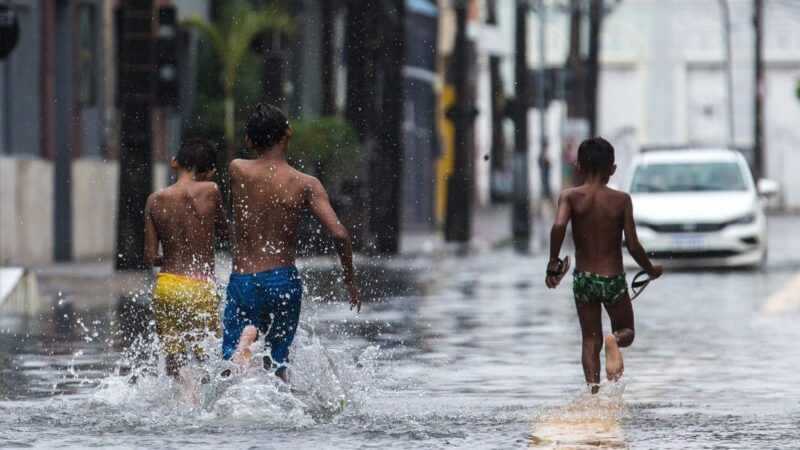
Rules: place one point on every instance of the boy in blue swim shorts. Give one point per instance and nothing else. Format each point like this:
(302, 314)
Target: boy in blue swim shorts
(268, 198)
(599, 215)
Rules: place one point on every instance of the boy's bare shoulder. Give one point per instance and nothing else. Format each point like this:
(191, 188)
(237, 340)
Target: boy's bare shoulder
(208, 186)
(620, 195)
(157, 196)
(236, 166)
(570, 193)
(301, 178)
(619, 200)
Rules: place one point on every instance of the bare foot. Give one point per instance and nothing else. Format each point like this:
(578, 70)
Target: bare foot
(242, 356)
(189, 386)
(614, 365)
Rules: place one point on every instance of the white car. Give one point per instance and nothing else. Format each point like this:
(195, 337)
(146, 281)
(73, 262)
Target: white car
(699, 207)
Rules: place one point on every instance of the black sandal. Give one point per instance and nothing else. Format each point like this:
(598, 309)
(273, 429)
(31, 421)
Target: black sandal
(563, 267)
(640, 281)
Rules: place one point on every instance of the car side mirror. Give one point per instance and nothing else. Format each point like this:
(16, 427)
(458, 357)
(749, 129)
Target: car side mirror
(767, 187)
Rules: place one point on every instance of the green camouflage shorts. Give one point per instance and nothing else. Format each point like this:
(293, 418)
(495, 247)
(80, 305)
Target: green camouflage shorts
(588, 287)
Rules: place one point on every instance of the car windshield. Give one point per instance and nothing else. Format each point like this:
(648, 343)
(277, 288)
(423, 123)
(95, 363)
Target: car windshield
(688, 177)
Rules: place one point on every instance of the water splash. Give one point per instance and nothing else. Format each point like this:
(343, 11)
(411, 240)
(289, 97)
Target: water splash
(588, 421)
(325, 383)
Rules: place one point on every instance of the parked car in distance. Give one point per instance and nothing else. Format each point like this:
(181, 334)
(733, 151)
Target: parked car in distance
(699, 207)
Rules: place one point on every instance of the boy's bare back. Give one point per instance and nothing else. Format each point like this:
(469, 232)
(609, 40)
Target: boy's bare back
(598, 215)
(268, 199)
(184, 218)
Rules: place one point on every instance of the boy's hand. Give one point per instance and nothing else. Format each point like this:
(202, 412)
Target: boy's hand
(355, 296)
(655, 271)
(550, 280)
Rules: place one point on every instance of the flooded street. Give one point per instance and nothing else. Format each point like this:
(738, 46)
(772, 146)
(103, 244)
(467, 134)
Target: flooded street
(467, 352)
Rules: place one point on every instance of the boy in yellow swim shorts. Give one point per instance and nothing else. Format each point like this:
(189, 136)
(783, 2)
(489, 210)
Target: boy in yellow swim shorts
(185, 219)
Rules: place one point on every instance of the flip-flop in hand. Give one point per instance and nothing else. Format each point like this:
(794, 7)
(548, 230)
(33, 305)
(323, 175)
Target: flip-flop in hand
(640, 281)
(556, 270)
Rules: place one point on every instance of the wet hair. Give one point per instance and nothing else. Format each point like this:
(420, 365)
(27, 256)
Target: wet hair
(596, 155)
(198, 155)
(266, 125)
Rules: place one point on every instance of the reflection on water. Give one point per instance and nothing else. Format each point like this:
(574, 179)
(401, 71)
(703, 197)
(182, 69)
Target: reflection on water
(471, 353)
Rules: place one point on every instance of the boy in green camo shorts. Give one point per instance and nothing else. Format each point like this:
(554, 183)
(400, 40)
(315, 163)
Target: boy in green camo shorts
(599, 217)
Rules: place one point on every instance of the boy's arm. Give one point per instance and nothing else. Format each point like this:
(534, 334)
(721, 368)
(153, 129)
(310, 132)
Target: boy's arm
(557, 234)
(221, 225)
(634, 246)
(150, 234)
(322, 210)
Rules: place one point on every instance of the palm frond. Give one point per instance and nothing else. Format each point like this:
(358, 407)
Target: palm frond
(208, 29)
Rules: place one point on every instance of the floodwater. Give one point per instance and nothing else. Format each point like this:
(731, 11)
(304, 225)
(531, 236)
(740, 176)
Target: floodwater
(449, 352)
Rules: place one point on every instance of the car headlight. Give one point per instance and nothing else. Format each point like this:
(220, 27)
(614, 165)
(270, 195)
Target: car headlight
(743, 220)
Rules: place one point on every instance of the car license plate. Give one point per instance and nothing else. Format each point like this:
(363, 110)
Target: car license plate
(689, 242)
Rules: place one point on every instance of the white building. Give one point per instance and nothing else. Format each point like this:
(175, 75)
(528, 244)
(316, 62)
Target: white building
(663, 81)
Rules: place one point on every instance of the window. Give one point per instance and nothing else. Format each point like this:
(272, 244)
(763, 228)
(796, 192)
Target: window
(688, 177)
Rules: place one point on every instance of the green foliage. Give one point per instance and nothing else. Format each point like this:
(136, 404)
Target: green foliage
(208, 113)
(231, 36)
(328, 147)
(238, 25)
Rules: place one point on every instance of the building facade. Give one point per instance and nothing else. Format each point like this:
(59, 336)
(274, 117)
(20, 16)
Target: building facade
(59, 131)
(662, 82)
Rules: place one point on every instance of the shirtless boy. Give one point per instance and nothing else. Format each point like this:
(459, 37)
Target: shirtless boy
(599, 217)
(269, 197)
(185, 218)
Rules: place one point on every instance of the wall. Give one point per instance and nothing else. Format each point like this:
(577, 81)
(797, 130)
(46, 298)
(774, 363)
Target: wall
(94, 202)
(26, 211)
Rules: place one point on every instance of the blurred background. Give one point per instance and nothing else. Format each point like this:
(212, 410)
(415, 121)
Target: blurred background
(415, 114)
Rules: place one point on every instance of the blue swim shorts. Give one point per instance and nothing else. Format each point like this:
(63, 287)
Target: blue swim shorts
(268, 300)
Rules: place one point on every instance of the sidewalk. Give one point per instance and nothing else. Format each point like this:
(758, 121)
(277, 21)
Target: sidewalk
(491, 229)
(95, 284)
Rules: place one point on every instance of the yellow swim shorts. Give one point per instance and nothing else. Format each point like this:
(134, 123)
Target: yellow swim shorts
(186, 311)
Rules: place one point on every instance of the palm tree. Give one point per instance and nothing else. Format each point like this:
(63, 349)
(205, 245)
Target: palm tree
(238, 25)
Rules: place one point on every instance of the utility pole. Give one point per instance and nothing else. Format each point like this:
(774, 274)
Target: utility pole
(458, 221)
(387, 158)
(327, 57)
(726, 22)
(592, 63)
(360, 31)
(541, 101)
(576, 104)
(498, 151)
(136, 98)
(520, 212)
(274, 64)
(271, 45)
(758, 131)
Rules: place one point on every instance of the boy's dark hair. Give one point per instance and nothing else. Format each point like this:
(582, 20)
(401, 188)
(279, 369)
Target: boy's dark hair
(595, 155)
(197, 154)
(266, 125)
